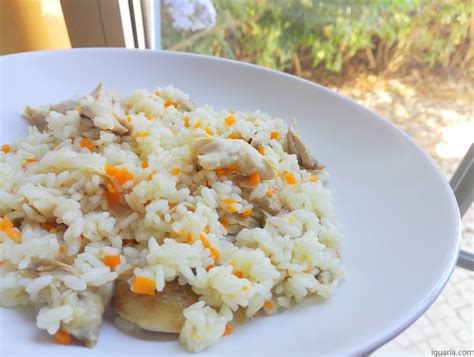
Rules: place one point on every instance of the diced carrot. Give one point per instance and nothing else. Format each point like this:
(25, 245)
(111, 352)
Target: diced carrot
(224, 221)
(112, 261)
(206, 229)
(261, 150)
(86, 144)
(247, 213)
(143, 285)
(186, 121)
(169, 103)
(268, 304)
(233, 167)
(228, 329)
(141, 134)
(204, 241)
(215, 253)
(234, 136)
(113, 199)
(270, 191)
(7, 226)
(31, 160)
(275, 135)
(62, 249)
(6, 148)
(210, 266)
(229, 201)
(197, 125)
(176, 171)
(189, 238)
(209, 131)
(111, 188)
(289, 177)
(122, 175)
(238, 274)
(221, 172)
(63, 338)
(230, 120)
(144, 164)
(254, 178)
(314, 178)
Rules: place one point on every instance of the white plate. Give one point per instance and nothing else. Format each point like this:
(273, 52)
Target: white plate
(399, 215)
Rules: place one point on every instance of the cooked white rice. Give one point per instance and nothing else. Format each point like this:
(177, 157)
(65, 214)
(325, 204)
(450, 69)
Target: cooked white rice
(202, 227)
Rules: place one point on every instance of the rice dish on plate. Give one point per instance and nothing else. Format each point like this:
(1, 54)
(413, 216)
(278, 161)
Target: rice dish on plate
(186, 219)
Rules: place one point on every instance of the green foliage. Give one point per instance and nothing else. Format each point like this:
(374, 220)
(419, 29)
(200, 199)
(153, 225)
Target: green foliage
(331, 33)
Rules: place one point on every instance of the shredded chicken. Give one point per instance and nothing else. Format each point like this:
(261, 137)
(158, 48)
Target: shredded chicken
(215, 153)
(162, 312)
(37, 117)
(88, 305)
(296, 146)
(103, 118)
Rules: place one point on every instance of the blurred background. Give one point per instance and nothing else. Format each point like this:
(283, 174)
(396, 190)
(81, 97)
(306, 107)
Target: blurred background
(412, 61)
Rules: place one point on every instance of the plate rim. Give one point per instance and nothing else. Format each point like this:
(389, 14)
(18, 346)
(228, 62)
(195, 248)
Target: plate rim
(394, 329)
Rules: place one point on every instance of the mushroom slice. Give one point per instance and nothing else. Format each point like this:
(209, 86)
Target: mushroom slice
(88, 304)
(215, 153)
(296, 146)
(162, 312)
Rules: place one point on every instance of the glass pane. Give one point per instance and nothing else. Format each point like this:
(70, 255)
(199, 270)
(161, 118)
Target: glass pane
(412, 61)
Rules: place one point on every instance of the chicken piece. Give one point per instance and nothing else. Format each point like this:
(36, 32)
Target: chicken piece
(296, 146)
(104, 118)
(249, 222)
(88, 305)
(37, 117)
(215, 153)
(162, 312)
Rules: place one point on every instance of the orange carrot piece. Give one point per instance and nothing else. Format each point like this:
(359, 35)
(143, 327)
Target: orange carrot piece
(254, 178)
(230, 120)
(314, 178)
(169, 103)
(221, 172)
(143, 285)
(270, 191)
(233, 167)
(6, 148)
(186, 121)
(197, 125)
(289, 178)
(239, 274)
(261, 150)
(63, 338)
(275, 135)
(224, 221)
(176, 171)
(247, 213)
(209, 131)
(189, 238)
(112, 261)
(234, 136)
(228, 329)
(86, 144)
(268, 304)
(144, 164)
